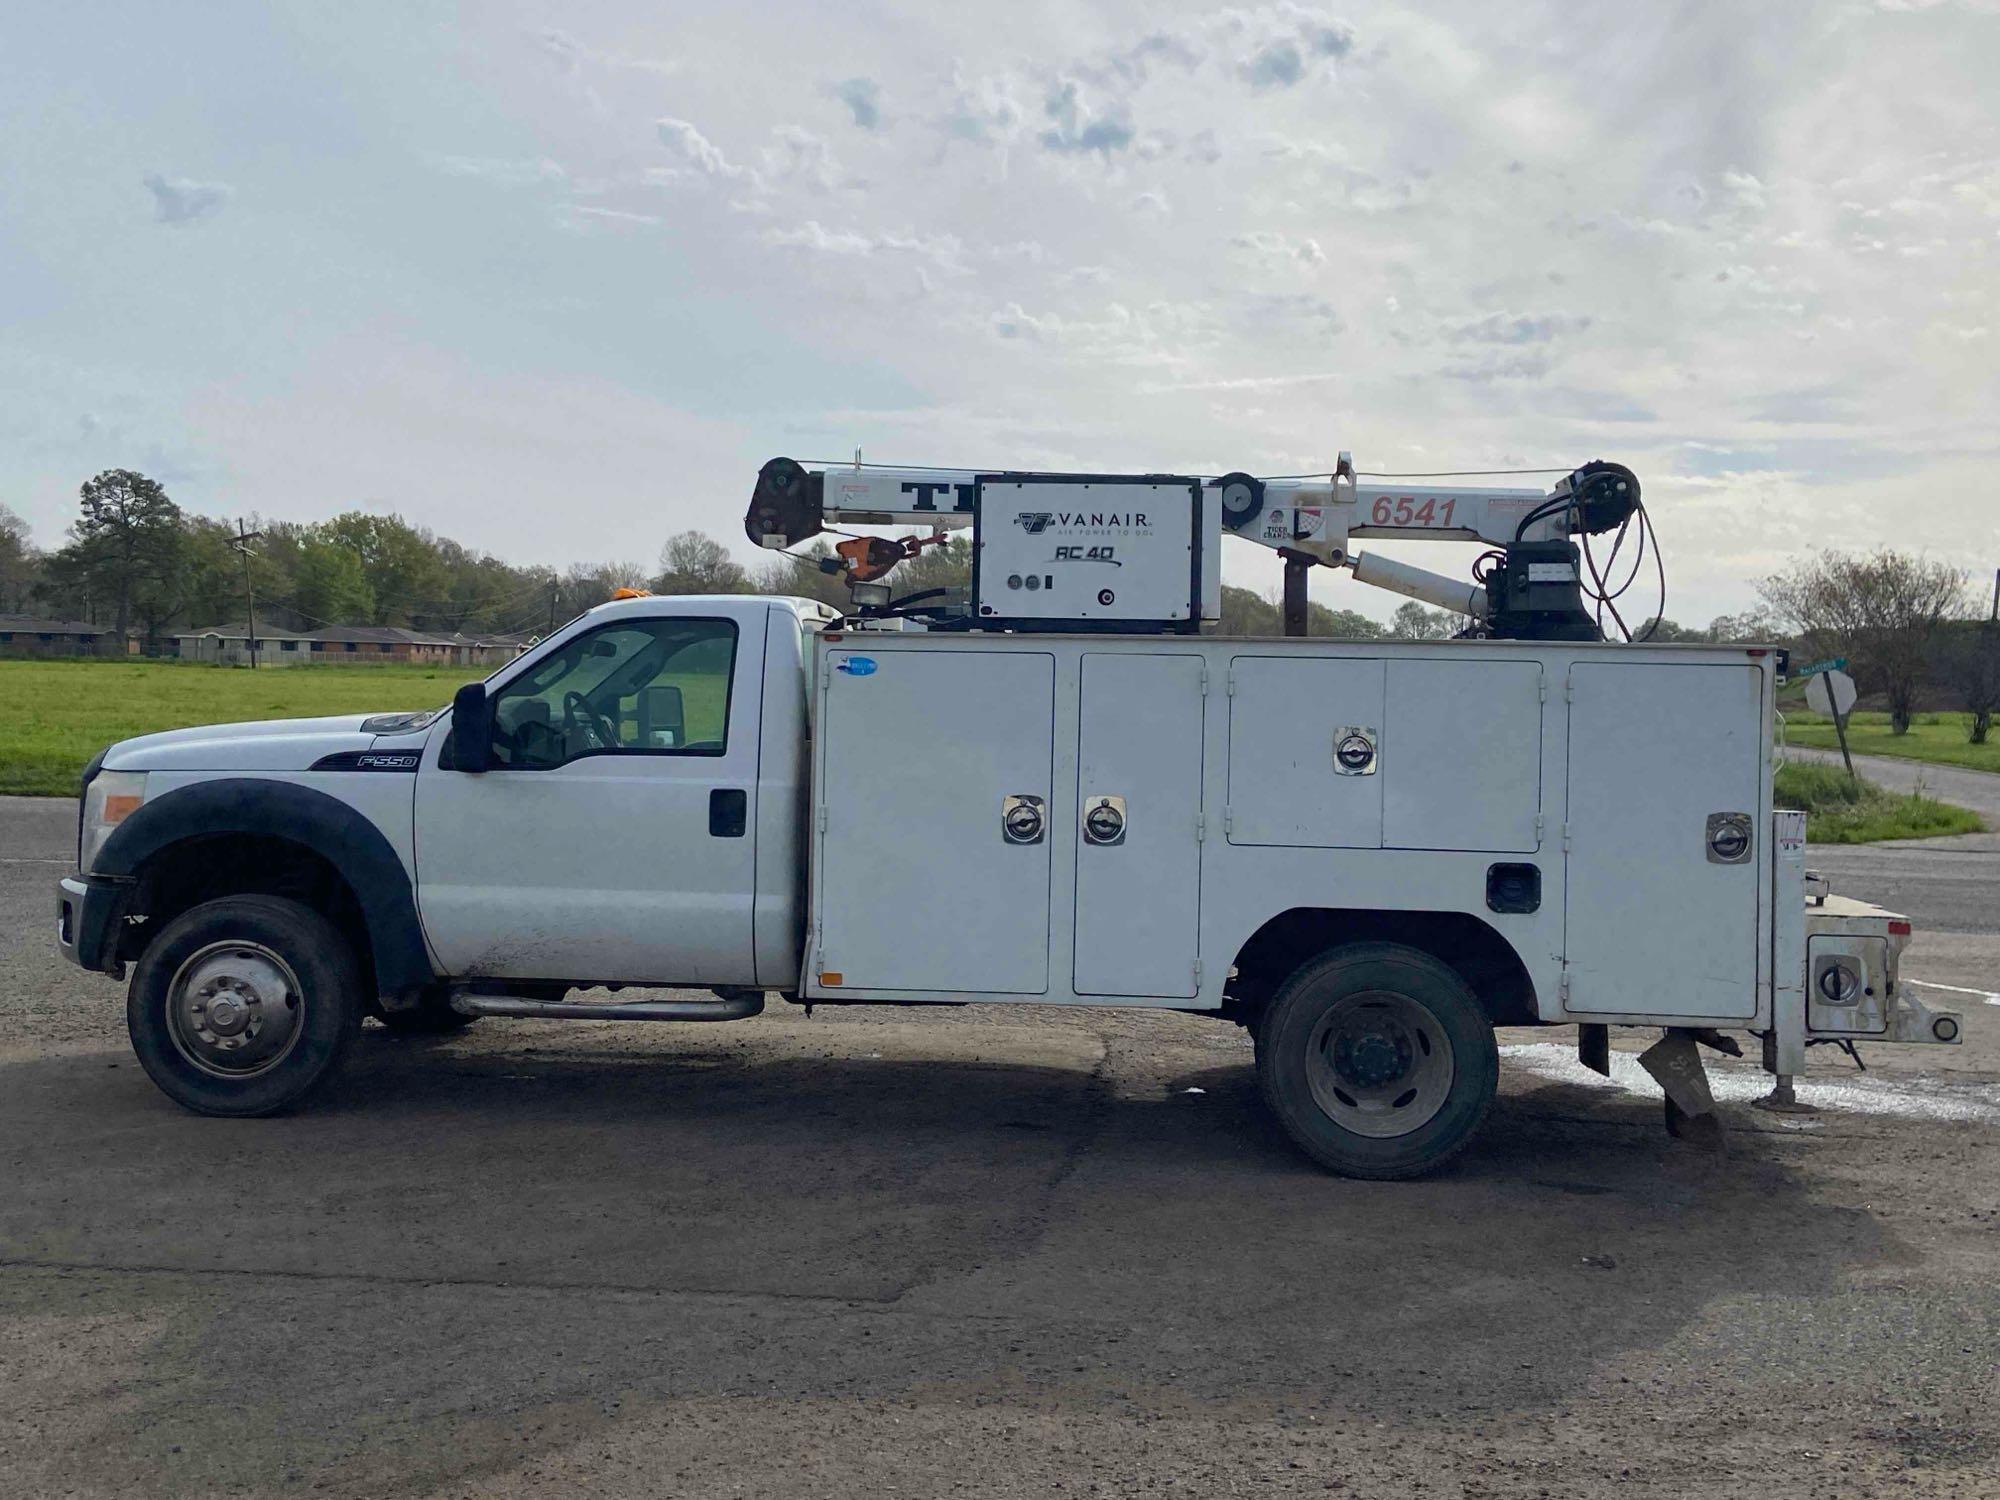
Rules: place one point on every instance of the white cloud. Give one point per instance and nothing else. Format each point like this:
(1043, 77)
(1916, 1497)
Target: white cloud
(178, 200)
(699, 153)
(1076, 128)
(943, 251)
(1269, 246)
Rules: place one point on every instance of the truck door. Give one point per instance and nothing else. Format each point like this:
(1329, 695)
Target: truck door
(1138, 848)
(612, 840)
(1661, 894)
(934, 795)
(1303, 738)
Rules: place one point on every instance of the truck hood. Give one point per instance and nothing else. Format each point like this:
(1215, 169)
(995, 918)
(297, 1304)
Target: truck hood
(262, 745)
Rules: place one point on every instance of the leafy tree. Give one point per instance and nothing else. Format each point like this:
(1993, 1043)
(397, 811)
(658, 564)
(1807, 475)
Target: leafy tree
(127, 546)
(329, 583)
(694, 563)
(798, 575)
(1667, 631)
(1753, 626)
(1341, 624)
(1880, 610)
(399, 563)
(1967, 658)
(20, 564)
(1412, 622)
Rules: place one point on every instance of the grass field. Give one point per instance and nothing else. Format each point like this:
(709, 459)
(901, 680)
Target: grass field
(1840, 810)
(1939, 738)
(60, 713)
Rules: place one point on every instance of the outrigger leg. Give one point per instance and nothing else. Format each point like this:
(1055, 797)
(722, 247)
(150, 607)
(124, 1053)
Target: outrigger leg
(1675, 1063)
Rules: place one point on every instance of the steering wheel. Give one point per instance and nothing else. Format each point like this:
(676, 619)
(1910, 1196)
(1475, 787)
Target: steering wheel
(598, 732)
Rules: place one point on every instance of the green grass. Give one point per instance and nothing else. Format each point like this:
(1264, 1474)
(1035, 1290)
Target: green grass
(1840, 810)
(57, 714)
(1938, 738)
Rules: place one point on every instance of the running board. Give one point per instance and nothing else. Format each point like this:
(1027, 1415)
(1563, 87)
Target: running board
(738, 1007)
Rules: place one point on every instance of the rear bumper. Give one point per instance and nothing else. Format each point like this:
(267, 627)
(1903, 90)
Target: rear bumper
(88, 913)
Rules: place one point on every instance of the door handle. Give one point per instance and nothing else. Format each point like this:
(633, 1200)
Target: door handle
(1104, 820)
(728, 812)
(1023, 819)
(1356, 750)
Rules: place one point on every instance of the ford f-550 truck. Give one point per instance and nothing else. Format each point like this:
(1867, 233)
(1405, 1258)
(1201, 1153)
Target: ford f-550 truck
(1371, 854)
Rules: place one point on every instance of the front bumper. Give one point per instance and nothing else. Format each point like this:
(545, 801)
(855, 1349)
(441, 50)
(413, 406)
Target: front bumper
(88, 916)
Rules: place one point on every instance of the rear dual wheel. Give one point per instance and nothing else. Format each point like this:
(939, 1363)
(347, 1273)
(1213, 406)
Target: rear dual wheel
(1378, 1060)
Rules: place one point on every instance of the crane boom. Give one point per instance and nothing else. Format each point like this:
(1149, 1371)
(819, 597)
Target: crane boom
(1310, 520)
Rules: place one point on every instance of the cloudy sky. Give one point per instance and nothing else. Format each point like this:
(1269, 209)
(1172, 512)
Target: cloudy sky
(556, 279)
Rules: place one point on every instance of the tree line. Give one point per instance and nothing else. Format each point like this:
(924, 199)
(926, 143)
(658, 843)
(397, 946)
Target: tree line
(137, 562)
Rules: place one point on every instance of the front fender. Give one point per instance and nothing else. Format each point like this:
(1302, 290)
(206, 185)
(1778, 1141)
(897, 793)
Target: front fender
(327, 826)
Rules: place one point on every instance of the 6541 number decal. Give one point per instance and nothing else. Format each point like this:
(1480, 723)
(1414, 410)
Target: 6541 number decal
(1411, 510)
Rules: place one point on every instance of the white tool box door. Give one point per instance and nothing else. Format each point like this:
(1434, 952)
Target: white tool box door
(1660, 901)
(1462, 761)
(921, 887)
(1288, 718)
(1138, 852)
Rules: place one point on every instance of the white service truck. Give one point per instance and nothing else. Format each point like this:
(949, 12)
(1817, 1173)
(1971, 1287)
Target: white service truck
(1371, 854)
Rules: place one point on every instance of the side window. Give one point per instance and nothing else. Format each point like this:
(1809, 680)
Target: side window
(639, 687)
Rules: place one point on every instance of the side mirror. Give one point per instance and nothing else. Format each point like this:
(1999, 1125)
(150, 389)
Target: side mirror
(471, 729)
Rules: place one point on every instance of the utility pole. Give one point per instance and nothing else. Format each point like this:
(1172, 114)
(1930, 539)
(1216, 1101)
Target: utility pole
(552, 611)
(1994, 618)
(242, 545)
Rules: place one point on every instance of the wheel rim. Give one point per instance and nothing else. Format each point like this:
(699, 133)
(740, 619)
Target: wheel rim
(235, 1010)
(1379, 1064)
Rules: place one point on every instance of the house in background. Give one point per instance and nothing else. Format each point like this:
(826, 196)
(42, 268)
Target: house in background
(352, 644)
(27, 635)
(229, 645)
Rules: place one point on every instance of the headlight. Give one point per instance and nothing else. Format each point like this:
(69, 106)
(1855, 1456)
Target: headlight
(111, 798)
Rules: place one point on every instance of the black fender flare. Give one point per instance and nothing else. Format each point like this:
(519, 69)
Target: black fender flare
(330, 828)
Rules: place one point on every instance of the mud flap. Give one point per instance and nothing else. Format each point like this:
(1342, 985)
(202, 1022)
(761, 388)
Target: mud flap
(1593, 1047)
(1674, 1061)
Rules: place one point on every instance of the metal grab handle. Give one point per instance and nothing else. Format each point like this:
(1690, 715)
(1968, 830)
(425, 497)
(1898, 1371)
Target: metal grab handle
(1023, 819)
(1104, 820)
(1355, 750)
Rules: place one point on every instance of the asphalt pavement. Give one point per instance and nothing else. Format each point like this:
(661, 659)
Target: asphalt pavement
(979, 1252)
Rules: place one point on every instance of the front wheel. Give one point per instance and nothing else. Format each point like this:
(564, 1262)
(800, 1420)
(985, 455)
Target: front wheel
(245, 1005)
(1377, 1060)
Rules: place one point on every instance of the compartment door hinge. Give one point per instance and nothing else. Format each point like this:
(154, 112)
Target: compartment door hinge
(1200, 828)
(1204, 679)
(1565, 833)
(1540, 819)
(822, 818)
(1230, 682)
(1562, 989)
(1197, 975)
(1228, 822)
(1569, 690)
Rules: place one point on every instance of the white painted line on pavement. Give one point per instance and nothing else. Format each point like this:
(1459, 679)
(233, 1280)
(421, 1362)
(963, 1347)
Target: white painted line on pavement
(1957, 989)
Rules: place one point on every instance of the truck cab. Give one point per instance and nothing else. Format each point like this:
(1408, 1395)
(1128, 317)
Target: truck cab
(639, 813)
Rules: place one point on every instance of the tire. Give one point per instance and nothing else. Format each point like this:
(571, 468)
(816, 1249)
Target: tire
(1377, 1060)
(244, 1006)
(430, 1016)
